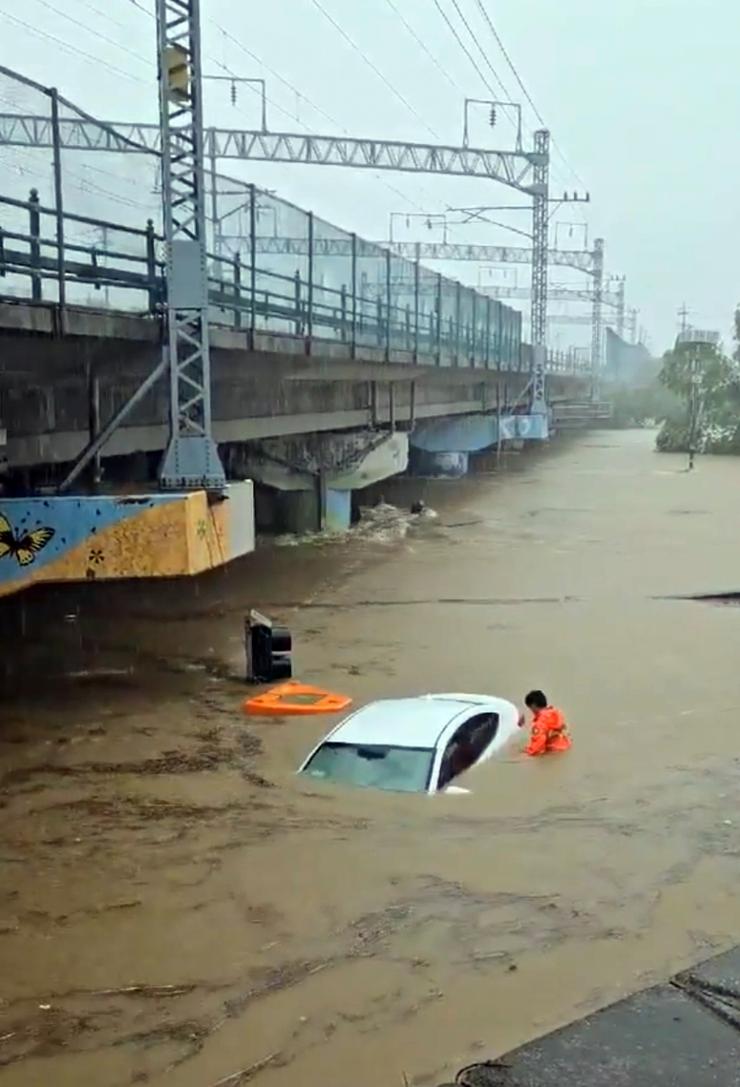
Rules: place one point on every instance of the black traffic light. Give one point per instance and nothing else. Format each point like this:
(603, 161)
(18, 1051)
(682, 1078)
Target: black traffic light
(268, 649)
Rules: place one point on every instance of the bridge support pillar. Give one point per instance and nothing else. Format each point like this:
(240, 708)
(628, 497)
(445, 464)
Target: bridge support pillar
(320, 509)
(449, 465)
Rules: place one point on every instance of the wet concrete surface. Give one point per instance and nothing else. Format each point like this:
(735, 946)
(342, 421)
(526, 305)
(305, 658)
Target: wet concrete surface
(177, 908)
(682, 1034)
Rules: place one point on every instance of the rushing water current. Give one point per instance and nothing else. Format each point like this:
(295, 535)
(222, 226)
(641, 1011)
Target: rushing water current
(178, 909)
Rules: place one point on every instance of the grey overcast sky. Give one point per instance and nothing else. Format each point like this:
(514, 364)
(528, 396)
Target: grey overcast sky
(641, 96)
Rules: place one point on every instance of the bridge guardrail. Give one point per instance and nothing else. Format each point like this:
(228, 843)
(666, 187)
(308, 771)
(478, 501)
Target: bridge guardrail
(327, 284)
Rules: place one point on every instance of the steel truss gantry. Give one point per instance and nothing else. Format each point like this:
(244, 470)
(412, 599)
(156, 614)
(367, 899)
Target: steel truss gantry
(525, 171)
(554, 294)
(596, 316)
(540, 221)
(512, 168)
(581, 259)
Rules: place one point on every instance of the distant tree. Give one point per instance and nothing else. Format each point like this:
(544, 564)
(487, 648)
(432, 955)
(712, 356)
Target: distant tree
(713, 372)
(714, 379)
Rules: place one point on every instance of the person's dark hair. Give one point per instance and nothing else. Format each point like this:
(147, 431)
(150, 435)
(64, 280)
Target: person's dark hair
(536, 700)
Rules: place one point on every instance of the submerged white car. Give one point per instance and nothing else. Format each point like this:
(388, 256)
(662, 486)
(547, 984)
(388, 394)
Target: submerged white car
(414, 745)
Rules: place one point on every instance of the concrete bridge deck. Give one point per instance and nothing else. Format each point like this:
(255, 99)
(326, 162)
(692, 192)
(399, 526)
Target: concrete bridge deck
(264, 383)
(326, 366)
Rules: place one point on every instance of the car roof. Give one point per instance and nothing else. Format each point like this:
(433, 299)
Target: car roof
(409, 722)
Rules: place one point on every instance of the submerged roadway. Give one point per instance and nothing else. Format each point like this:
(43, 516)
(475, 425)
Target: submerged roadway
(179, 909)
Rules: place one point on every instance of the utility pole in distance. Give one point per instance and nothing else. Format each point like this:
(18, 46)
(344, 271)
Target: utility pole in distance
(683, 315)
(699, 344)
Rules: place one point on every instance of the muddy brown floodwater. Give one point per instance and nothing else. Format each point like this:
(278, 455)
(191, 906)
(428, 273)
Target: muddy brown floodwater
(178, 909)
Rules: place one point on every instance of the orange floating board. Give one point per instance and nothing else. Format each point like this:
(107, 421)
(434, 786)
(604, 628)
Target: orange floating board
(295, 699)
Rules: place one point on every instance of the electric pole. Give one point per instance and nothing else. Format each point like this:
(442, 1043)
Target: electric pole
(540, 218)
(191, 458)
(596, 329)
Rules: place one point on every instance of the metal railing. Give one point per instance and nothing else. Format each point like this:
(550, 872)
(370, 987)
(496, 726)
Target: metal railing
(38, 255)
(90, 234)
(247, 296)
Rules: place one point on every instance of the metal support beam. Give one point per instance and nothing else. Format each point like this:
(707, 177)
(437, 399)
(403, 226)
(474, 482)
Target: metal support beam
(554, 294)
(191, 458)
(511, 168)
(571, 319)
(93, 448)
(596, 317)
(581, 259)
(540, 221)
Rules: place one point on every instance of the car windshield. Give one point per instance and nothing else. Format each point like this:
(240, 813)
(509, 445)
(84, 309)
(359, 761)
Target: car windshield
(373, 766)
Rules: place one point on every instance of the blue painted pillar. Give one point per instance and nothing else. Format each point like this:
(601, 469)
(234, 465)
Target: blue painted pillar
(337, 507)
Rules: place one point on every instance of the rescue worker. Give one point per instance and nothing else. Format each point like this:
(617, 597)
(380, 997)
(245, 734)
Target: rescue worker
(549, 729)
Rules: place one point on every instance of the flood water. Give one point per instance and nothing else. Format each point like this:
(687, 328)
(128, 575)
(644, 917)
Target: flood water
(178, 909)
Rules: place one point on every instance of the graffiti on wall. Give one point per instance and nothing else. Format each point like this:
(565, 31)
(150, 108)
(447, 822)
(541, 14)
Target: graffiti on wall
(102, 537)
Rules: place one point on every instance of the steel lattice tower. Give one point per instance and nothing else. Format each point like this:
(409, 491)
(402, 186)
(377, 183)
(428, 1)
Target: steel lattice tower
(191, 458)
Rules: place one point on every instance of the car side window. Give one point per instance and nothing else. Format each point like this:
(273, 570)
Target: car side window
(483, 727)
(466, 746)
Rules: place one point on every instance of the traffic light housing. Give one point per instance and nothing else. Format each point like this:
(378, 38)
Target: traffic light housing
(268, 649)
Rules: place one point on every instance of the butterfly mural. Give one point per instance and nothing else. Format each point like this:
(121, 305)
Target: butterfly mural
(23, 546)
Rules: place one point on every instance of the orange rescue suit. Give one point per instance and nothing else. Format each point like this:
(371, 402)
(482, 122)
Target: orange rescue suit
(549, 733)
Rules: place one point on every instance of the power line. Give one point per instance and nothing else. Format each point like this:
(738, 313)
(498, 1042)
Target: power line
(476, 66)
(463, 46)
(337, 26)
(273, 104)
(70, 48)
(95, 33)
(481, 50)
(102, 14)
(276, 74)
(423, 45)
(250, 53)
(312, 104)
(520, 81)
(142, 8)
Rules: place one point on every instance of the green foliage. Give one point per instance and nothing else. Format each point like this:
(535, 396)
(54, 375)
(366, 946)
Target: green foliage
(716, 382)
(714, 373)
(673, 437)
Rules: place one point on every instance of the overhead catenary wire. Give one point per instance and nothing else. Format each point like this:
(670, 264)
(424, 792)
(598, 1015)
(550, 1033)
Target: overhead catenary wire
(250, 53)
(104, 14)
(522, 86)
(70, 48)
(141, 7)
(480, 48)
(502, 87)
(401, 98)
(481, 74)
(90, 30)
(453, 30)
(271, 102)
(422, 44)
(319, 109)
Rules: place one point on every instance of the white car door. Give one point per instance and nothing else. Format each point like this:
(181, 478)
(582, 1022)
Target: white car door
(483, 732)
